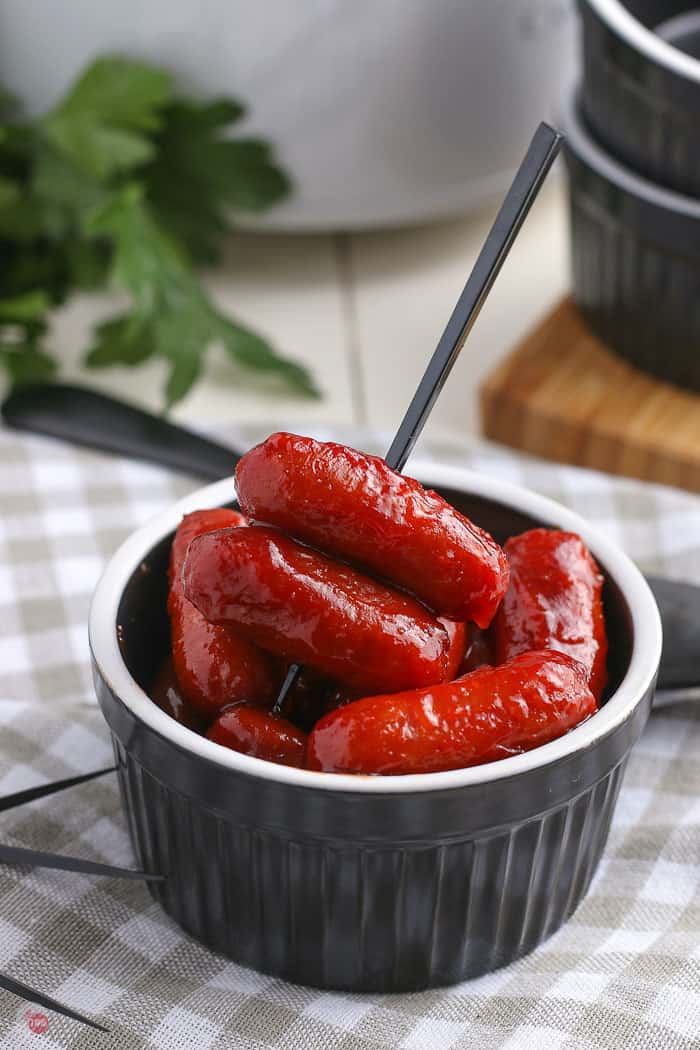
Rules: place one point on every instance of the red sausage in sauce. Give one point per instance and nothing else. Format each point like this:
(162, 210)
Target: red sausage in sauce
(214, 665)
(553, 602)
(353, 505)
(488, 714)
(312, 610)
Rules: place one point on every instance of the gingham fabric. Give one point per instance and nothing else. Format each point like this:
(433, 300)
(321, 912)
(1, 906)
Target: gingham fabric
(623, 973)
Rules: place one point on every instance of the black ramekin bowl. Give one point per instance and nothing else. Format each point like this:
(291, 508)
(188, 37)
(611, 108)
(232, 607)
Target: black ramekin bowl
(641, 89)
(635, 259)
(377, 884)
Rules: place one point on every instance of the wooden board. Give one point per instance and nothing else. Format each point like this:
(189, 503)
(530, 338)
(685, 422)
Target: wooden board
(562, 395)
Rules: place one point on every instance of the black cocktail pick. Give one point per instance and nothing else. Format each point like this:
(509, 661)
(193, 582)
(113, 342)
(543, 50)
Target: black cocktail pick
(30, 794)
(39, 858)
(532, 172)
(19, 855)
(32, 996)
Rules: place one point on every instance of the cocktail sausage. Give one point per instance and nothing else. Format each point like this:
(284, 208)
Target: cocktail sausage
(353, 505)
(213, 664)
(553, 602)
(488, 714)
(309, 609)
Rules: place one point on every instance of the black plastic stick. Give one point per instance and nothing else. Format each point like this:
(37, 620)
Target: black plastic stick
(21, 855)
(539, 158)
(36, 858)
(32, 996)
(19, 798)
(18, 855)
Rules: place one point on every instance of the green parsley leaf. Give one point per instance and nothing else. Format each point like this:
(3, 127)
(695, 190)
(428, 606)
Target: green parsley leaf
(35, 266)
(123, 340)
(22, 324)
(250, 350)
(26, 363)
(185, 368)
(10, 192)
(122, 181)
(103, 125)
(172, 317)
(66, 195)
(24, 309)
(198, 176)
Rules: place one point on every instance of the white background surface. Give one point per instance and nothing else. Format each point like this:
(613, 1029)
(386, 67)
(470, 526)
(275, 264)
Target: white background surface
(382, 111)
(364, 312)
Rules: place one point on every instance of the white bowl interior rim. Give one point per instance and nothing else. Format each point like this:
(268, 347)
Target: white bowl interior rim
(582, 143)
(616, 15)
(644, 661)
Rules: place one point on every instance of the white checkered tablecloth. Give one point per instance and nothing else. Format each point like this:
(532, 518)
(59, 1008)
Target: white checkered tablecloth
(623, 973)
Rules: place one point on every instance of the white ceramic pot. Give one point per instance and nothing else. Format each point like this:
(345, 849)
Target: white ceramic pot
(384, 111)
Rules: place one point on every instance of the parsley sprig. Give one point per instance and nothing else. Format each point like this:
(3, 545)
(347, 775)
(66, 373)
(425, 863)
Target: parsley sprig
(125, 183)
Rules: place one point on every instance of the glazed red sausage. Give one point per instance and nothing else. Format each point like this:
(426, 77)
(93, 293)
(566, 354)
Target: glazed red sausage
(353, 505)
(553, 602)
(194, 524)
(488, 714)
(457, 633)
(167, 694)
(214, 666)
(255, 732)
(302, 605)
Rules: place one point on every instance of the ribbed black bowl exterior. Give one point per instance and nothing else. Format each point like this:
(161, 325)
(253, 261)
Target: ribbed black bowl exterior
(646, 114)
(636, 271)
(366, 892)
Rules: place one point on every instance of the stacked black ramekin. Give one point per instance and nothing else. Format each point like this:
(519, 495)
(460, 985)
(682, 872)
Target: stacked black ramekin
(633, 130)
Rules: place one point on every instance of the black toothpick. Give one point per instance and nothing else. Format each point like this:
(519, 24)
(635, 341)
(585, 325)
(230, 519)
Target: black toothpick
(21, 856)
(31, 995)
(528, 180)
(19, 798)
